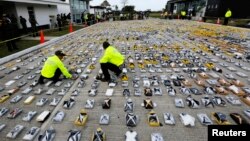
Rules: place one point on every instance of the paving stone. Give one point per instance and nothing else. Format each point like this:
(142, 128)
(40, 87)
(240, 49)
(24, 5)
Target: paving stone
(169, 36)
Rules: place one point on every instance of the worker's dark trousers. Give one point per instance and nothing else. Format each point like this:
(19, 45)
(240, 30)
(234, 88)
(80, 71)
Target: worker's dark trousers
(55, 78)
(108, 66)
(226, 21)
(11, 45)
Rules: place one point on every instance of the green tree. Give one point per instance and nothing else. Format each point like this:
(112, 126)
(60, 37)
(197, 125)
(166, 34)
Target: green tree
(128, 9)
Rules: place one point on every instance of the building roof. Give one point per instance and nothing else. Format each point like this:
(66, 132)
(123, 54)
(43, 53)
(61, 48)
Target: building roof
(39, 2)
(98, 7)
(105, 3)
(175, 1)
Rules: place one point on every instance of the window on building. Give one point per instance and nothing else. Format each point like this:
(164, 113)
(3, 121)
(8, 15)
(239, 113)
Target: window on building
(31, 12)
(208, 7)
(77, 8)
(212, 6)
(81, 5)
(216, 6)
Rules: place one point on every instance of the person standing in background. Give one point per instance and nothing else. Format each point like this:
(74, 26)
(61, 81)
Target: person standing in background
(165, 15)
(86, 18)
(59, 22)
(227, 16)
(183, 14)
(23, 22)
(33, 23)
(14, 25)
(8, 33)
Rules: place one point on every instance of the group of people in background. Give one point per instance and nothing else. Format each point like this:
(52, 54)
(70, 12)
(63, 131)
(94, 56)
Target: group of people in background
(9, 23)
(188, 15)
(134, 16)
(33, 24)
(183, 15)
(167, 15)
(62, 20)
(10, 31)
(89, 19)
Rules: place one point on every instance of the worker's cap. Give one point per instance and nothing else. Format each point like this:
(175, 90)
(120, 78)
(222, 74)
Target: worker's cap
(4, 15)
(99, 129)
(59, 53)
(105, 44)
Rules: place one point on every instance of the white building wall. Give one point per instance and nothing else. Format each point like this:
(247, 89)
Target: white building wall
(39, 1)
(63, 8)
(22, 10)
(100, 11)
(91, 11)
(42, 12)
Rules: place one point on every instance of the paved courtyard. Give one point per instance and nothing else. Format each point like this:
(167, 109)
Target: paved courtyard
(150, 39)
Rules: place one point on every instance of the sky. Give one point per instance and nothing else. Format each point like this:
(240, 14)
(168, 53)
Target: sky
(154, 5)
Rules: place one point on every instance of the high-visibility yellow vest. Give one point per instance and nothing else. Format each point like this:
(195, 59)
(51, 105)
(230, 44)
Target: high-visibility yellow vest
(113, 56)
(166, 13)
(228, 14)
(183, 13)
(50, 66)
(86, 16)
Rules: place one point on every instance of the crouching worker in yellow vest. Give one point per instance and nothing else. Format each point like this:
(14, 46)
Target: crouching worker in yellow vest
(53, 68)
(111, 60)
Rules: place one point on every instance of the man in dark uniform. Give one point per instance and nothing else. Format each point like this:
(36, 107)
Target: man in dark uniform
(33, 23)
(24, 25)
(59, 22)
(8, 30)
